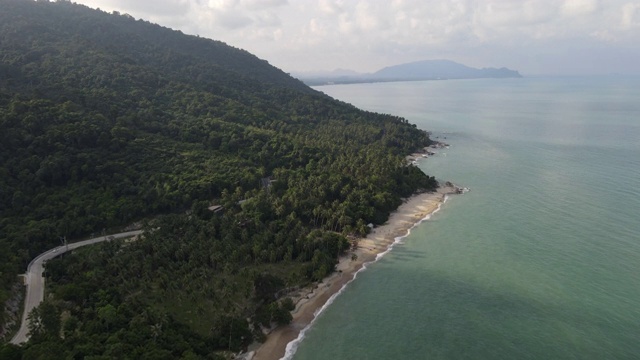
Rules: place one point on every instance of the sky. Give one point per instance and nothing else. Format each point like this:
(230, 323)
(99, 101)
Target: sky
(535, 37)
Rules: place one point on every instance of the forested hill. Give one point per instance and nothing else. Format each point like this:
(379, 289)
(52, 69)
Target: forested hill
(40, 30)
(106, 120)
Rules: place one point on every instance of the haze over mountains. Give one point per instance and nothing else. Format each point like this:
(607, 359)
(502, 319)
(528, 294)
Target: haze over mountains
(414, 71)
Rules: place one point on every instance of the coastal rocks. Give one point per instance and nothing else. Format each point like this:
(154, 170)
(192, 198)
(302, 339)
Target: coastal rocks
(439, 145)
(426, 152)
(457, 189)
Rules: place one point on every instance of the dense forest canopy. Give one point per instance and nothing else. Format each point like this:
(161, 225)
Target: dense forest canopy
(106, 120)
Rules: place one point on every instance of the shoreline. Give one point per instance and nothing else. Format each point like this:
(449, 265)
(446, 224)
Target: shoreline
(412, 211)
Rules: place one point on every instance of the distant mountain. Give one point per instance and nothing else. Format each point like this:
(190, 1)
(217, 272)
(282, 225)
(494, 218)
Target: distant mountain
(419, 70)
(440, 69)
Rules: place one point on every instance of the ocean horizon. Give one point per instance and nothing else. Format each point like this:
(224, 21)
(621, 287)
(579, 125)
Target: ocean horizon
(539, 260)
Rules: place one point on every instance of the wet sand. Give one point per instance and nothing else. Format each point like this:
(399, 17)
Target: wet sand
(412, 211)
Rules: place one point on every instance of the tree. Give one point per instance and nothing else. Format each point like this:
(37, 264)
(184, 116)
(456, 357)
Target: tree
(44, 321)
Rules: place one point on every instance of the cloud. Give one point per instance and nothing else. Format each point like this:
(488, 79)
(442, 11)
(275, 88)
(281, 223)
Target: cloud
(148, 8)
(268, 19)
(630, 16)
(369, 18)
(579, 7)
(263, 4)
(366, 35)
(230, 20)
(330, 7)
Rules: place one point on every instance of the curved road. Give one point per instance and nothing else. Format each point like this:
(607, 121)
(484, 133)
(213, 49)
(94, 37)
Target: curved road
(35, 281)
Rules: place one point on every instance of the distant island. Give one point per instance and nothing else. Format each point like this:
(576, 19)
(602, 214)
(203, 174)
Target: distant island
(414, 71)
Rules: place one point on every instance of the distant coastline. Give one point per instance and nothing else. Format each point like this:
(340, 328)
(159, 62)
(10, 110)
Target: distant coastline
(311, 301)
(342, 81)
(415, 71)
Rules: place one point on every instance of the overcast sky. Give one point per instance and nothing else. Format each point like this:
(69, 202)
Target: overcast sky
(535, 37)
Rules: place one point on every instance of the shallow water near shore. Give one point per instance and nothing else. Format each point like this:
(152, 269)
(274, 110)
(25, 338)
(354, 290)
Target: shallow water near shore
(541, 260)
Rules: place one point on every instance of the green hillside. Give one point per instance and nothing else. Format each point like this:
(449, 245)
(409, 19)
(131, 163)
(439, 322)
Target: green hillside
(106, 120)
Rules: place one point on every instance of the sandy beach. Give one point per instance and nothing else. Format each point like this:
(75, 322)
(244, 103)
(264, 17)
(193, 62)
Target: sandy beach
(311, 300)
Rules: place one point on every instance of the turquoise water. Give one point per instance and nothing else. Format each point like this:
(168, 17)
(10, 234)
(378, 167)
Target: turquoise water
(541, 260)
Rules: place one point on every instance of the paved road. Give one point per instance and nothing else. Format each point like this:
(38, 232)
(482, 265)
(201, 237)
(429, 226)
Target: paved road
(35, 281)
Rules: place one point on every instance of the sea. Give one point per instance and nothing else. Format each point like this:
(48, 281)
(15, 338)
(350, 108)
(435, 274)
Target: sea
(540, 260)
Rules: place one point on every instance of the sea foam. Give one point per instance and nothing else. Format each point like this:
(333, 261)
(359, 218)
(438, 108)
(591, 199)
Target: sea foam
(292, 346)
